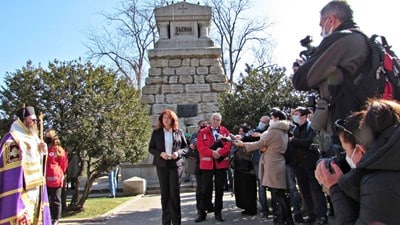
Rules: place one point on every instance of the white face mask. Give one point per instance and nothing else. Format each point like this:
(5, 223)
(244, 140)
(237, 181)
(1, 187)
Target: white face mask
(272, 122)
(325, 33)
(349, 160)
(261, 126)
(296, 119)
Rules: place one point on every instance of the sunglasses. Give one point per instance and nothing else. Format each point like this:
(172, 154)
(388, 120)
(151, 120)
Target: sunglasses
(339, 124)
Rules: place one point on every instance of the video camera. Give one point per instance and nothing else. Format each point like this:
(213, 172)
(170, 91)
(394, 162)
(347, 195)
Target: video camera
(306, 42)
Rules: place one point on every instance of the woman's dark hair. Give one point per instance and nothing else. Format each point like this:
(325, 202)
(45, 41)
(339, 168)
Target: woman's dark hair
(245, 127)
(278, 114)
(378, 116)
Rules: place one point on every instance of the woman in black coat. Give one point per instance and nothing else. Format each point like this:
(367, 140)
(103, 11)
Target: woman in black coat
(370, 192)
(168, 145)
(245, 180)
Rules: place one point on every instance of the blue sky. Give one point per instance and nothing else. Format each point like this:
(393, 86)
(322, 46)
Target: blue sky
(44, 30)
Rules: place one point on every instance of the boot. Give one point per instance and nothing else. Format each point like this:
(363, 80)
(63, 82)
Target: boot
(299, 218)
(200, 217)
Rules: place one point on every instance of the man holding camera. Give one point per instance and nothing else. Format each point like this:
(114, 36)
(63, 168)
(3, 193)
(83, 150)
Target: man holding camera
(332, 67)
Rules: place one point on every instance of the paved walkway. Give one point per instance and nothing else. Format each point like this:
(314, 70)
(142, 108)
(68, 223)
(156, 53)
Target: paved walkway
(146, 210)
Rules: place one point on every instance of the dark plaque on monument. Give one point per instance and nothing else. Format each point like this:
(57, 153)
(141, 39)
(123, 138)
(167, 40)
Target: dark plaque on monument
(187, 110)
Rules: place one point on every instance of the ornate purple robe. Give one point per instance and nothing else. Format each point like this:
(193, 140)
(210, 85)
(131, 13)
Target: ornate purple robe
(22, 180)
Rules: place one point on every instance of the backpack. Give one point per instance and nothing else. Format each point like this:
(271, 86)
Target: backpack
(379, 77)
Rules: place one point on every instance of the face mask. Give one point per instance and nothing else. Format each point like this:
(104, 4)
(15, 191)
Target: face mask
(272, 122)
(296, 119)
(261, 126)
(324, 33)
(349, 160)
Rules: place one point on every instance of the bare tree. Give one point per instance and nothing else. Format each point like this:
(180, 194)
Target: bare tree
(124, 40)
(237, 32)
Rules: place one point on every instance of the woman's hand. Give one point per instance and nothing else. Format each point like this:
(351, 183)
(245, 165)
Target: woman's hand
(263, 149)
(238, 143)
(325, 177)
(166, 156)
(175, 155)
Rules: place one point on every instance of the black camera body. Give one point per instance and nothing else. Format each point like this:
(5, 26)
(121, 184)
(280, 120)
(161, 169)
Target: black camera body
(339, 158)
(306, 42)
(311, 100)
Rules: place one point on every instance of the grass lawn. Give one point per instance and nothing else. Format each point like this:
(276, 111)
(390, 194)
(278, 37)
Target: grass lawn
(98, 206)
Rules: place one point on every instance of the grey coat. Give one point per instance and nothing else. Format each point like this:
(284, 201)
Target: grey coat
(272, 168)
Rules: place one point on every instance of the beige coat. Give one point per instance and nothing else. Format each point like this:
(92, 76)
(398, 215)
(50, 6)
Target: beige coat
(272, 168)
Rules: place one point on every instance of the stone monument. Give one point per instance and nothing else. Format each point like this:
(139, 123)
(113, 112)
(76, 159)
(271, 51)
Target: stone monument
(185, 72)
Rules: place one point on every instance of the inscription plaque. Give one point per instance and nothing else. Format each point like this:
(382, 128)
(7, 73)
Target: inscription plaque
(187, 110)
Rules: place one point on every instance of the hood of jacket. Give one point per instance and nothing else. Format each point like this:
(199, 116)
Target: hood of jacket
(383, 153)
(283, 125)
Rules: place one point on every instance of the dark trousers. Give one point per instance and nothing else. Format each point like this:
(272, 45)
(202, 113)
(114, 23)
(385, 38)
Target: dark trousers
(311, 191)
(207, 189)
(281, 205)
(54, 194)
(169, 179)
(245, 189)
(209, 206)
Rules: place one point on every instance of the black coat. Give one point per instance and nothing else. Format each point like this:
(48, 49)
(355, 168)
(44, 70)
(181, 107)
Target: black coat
(299, 153)
(157, 145)
(371, 193)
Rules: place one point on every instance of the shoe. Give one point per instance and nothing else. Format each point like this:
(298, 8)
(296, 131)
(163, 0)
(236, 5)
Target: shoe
(248, 213)
(309, 220)
(265, 215)
(54, 222)
(200, 218)
(299, 218)
(322, 221)
(289, 222)
(219, 217)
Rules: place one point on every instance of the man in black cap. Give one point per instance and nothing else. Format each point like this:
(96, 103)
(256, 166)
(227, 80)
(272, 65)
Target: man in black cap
(21, 157)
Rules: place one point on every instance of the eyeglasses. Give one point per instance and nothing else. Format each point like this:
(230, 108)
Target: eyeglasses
(339, 124)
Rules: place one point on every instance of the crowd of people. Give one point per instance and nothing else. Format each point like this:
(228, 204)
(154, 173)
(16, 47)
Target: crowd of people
(338, 158)
(302, 184)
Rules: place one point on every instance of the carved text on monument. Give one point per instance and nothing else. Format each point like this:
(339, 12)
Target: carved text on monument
(183, 30)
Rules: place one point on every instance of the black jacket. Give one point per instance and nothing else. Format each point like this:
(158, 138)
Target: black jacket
(371, 193)
(157, 145)
(299, 153)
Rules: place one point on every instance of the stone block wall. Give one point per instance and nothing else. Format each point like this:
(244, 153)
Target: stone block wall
(184, 76)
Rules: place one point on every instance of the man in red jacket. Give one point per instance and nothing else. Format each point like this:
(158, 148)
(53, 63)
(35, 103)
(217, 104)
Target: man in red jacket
(214, 162)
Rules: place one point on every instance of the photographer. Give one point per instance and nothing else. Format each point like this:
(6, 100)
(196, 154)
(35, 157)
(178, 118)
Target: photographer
(369, 193)
(337, 59)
